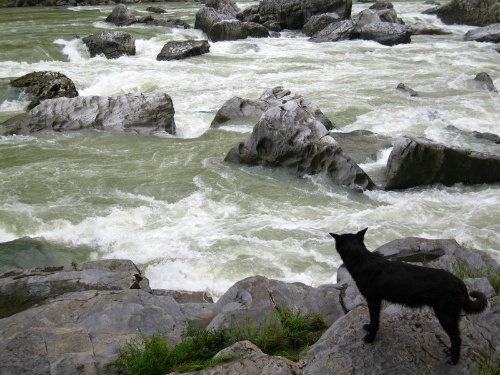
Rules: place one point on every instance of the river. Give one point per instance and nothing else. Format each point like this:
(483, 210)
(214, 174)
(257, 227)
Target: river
(184, 216)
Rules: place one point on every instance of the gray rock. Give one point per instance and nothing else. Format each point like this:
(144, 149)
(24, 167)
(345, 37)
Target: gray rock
(290, 137)
(45, 85)
(178, 50)
(141, 113)
(382, 26)
(237, 107)
(484, 81)
(111, 44)
(495, 138)
(249, 14)
(250, 360)
(410, 341)
(121, 16)
(406, 89)
(419, 161)
(336, 31)
(388, 34)
(256, 297)
(235, 30)
(490, 34)
(421, 28)
(184, 296)
(215, 11)
(82, 330)
(318, 22)
(468, 12)
(157, 10)
(293, 14)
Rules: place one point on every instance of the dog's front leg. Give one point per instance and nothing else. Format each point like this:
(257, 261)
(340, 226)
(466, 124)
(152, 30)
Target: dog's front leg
(372, 328)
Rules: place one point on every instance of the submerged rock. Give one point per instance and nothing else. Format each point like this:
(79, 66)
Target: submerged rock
(141, 113)
(419, 161)
(489, 34)
(406, 89)
(290, 137)
(484, 81)
(111, 44)
(45, 85)
(495, 138)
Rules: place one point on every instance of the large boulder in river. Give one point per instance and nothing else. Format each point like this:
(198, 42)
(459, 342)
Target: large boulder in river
(141, 113)
(380, 25)
(178, 50)
(215, 11)
(468, 12)
(289, 136)
(419, 161)
(111, 44)
(293, 14)
(45, 85)
(490, 33)
(121, 16)
(237, 107)
(235, 30)
(386, 33)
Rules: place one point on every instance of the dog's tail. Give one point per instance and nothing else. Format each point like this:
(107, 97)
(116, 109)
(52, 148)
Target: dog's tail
(477, 305)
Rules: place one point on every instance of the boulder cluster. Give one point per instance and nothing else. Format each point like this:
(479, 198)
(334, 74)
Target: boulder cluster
(291, 132)
(72, 319)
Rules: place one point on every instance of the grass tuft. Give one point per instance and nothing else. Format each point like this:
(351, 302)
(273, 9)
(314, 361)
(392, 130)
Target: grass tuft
(284, 333)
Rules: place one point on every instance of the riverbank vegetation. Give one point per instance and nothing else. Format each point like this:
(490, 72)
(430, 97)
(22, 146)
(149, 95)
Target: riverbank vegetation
(285, 333)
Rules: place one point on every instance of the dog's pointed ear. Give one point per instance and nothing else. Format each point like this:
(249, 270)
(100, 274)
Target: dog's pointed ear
(336, 236)
(361, 233)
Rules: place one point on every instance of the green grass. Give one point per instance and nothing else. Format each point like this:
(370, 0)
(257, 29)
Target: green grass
(462, 271)
(285, 333)
(487, 367)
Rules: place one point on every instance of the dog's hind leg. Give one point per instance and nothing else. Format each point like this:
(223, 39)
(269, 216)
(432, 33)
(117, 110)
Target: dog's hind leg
(449, 317)
(372, 328)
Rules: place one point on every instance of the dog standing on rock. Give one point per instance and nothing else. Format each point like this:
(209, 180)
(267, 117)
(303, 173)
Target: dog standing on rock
(380, 279)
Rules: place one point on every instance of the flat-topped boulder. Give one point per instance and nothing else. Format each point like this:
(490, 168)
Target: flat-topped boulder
(419, 161)
(178, 50)
(140, 113)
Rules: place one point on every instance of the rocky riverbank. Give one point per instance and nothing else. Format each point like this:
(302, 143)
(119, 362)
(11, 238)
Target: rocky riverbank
(71, 319)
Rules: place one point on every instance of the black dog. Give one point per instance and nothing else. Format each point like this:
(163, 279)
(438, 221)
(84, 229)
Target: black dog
(380, 279)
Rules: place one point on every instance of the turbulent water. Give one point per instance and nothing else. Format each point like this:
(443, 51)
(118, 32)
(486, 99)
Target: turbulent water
(192, 221)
